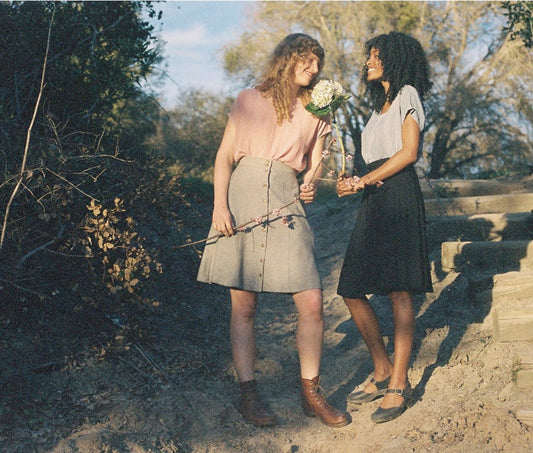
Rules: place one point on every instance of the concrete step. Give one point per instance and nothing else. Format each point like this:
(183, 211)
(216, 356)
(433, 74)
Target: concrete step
(487, 204)
(509, 299)
(513, 324)
(510, 288)
(524, 374)
(441, 188)
(480, 227)
(524, 413)
(497, 257)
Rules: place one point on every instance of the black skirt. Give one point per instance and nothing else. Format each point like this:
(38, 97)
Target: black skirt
(388, 248)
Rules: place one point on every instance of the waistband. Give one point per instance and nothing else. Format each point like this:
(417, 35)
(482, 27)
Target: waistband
(378, 163)
(259, 162)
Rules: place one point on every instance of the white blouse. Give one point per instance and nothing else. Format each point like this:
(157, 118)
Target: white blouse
(382, 135)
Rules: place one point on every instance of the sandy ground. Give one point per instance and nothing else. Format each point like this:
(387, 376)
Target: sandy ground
(170, 393)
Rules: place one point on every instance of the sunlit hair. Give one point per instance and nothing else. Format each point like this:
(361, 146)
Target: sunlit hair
(278, 75)
(404, 63)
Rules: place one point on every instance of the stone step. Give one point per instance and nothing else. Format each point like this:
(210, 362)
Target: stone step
(513, 324)
(508, 299)
(497, 257)
(511, 288)
(487, 204)
(525, 414)
(524, 375)
(440, 188)
(480, 227)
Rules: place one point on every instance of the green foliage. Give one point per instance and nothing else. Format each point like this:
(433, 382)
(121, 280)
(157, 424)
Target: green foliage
(99, 54)
(335, 104)
(520, 21)
(197, 189)
(445, 190)
(88, 139)
(191, 133)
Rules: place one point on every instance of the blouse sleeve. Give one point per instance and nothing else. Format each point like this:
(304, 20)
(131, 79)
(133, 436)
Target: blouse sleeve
(410, 103)
(236, 108)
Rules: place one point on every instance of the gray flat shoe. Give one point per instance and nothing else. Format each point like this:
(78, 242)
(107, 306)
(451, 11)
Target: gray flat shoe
(381, 415)
(362, 397)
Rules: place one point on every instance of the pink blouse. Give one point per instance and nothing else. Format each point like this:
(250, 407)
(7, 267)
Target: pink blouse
(258, 133)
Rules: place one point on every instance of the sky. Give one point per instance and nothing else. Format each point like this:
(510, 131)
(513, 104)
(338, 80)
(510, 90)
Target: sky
(194, 33)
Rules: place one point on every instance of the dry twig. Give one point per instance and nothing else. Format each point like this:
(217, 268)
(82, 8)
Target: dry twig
(28, 135)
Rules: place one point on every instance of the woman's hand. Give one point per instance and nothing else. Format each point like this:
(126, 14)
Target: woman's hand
(348, 186)
(307, 193)
(222, 221)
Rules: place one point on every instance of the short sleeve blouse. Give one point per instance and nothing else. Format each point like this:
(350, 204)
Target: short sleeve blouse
(382, 135)
(258, 133)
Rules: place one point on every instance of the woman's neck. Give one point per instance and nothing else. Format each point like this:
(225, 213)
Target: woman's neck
(295, 91)
(386, 106)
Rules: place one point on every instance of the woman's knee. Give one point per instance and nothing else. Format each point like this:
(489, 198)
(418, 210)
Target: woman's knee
(401, 298)
(354, 304)
(243, 304)
(309, 304)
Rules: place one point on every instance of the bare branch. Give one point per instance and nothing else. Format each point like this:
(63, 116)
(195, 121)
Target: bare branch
(28, 135)
(41, 247)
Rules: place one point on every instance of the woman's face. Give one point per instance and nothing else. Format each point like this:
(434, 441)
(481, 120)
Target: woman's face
(306, 69)
(374, 65)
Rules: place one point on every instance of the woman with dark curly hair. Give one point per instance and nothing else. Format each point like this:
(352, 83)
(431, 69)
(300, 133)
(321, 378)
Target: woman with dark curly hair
(272, 138)
(387, 253)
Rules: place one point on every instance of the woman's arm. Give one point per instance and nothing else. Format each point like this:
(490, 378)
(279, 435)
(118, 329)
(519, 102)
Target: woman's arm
(309, 187)
(406, 155)
(222, 220)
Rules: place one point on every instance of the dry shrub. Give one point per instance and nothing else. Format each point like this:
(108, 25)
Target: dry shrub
(117, 248)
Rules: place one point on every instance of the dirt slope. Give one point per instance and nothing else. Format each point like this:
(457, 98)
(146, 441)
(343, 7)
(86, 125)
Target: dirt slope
(172, 388)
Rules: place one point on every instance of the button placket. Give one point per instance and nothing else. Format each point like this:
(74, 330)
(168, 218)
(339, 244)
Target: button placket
(265, 226)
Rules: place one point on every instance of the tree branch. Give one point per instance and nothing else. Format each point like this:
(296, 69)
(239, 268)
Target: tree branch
(28, 135)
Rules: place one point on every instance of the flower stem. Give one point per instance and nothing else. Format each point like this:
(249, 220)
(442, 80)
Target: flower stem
(343, 152)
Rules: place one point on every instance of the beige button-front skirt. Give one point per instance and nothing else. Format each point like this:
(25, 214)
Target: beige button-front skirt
(273, 253)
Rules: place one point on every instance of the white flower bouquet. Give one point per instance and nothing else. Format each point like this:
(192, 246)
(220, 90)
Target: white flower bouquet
(326, 97)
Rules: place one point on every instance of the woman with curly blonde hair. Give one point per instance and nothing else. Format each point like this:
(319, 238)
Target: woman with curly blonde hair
(271, 138)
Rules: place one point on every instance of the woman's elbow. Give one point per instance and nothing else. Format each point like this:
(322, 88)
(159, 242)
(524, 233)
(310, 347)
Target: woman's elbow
(410, 156)
(413, 157)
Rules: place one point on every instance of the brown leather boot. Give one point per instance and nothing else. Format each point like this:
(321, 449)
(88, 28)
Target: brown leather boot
(252, 407)
(314, 403)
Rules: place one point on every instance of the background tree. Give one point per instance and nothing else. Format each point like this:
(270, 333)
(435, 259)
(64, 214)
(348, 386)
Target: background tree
(479, 114)
(87, 142)
(189, 134)
(520, 20)
(477, 120)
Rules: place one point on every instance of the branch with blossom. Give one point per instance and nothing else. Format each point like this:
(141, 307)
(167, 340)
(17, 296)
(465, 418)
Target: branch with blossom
(255, 221)
(277, 212)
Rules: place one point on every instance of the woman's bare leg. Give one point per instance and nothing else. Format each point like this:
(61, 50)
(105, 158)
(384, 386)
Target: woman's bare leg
(309, 338)
(310, 331)
(365, 319)
(404, 327)
(242, 333)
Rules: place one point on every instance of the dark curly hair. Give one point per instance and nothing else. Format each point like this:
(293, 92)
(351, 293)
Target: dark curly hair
(404, 63)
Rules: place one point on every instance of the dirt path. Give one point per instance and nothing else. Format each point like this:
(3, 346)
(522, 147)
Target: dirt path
(462, 379)
(168, 395)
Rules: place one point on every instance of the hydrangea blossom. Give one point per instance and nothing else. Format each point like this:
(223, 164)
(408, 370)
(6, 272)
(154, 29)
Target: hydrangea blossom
(325, 92)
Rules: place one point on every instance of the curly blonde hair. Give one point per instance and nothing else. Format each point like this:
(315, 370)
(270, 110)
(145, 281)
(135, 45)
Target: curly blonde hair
(275, 81)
